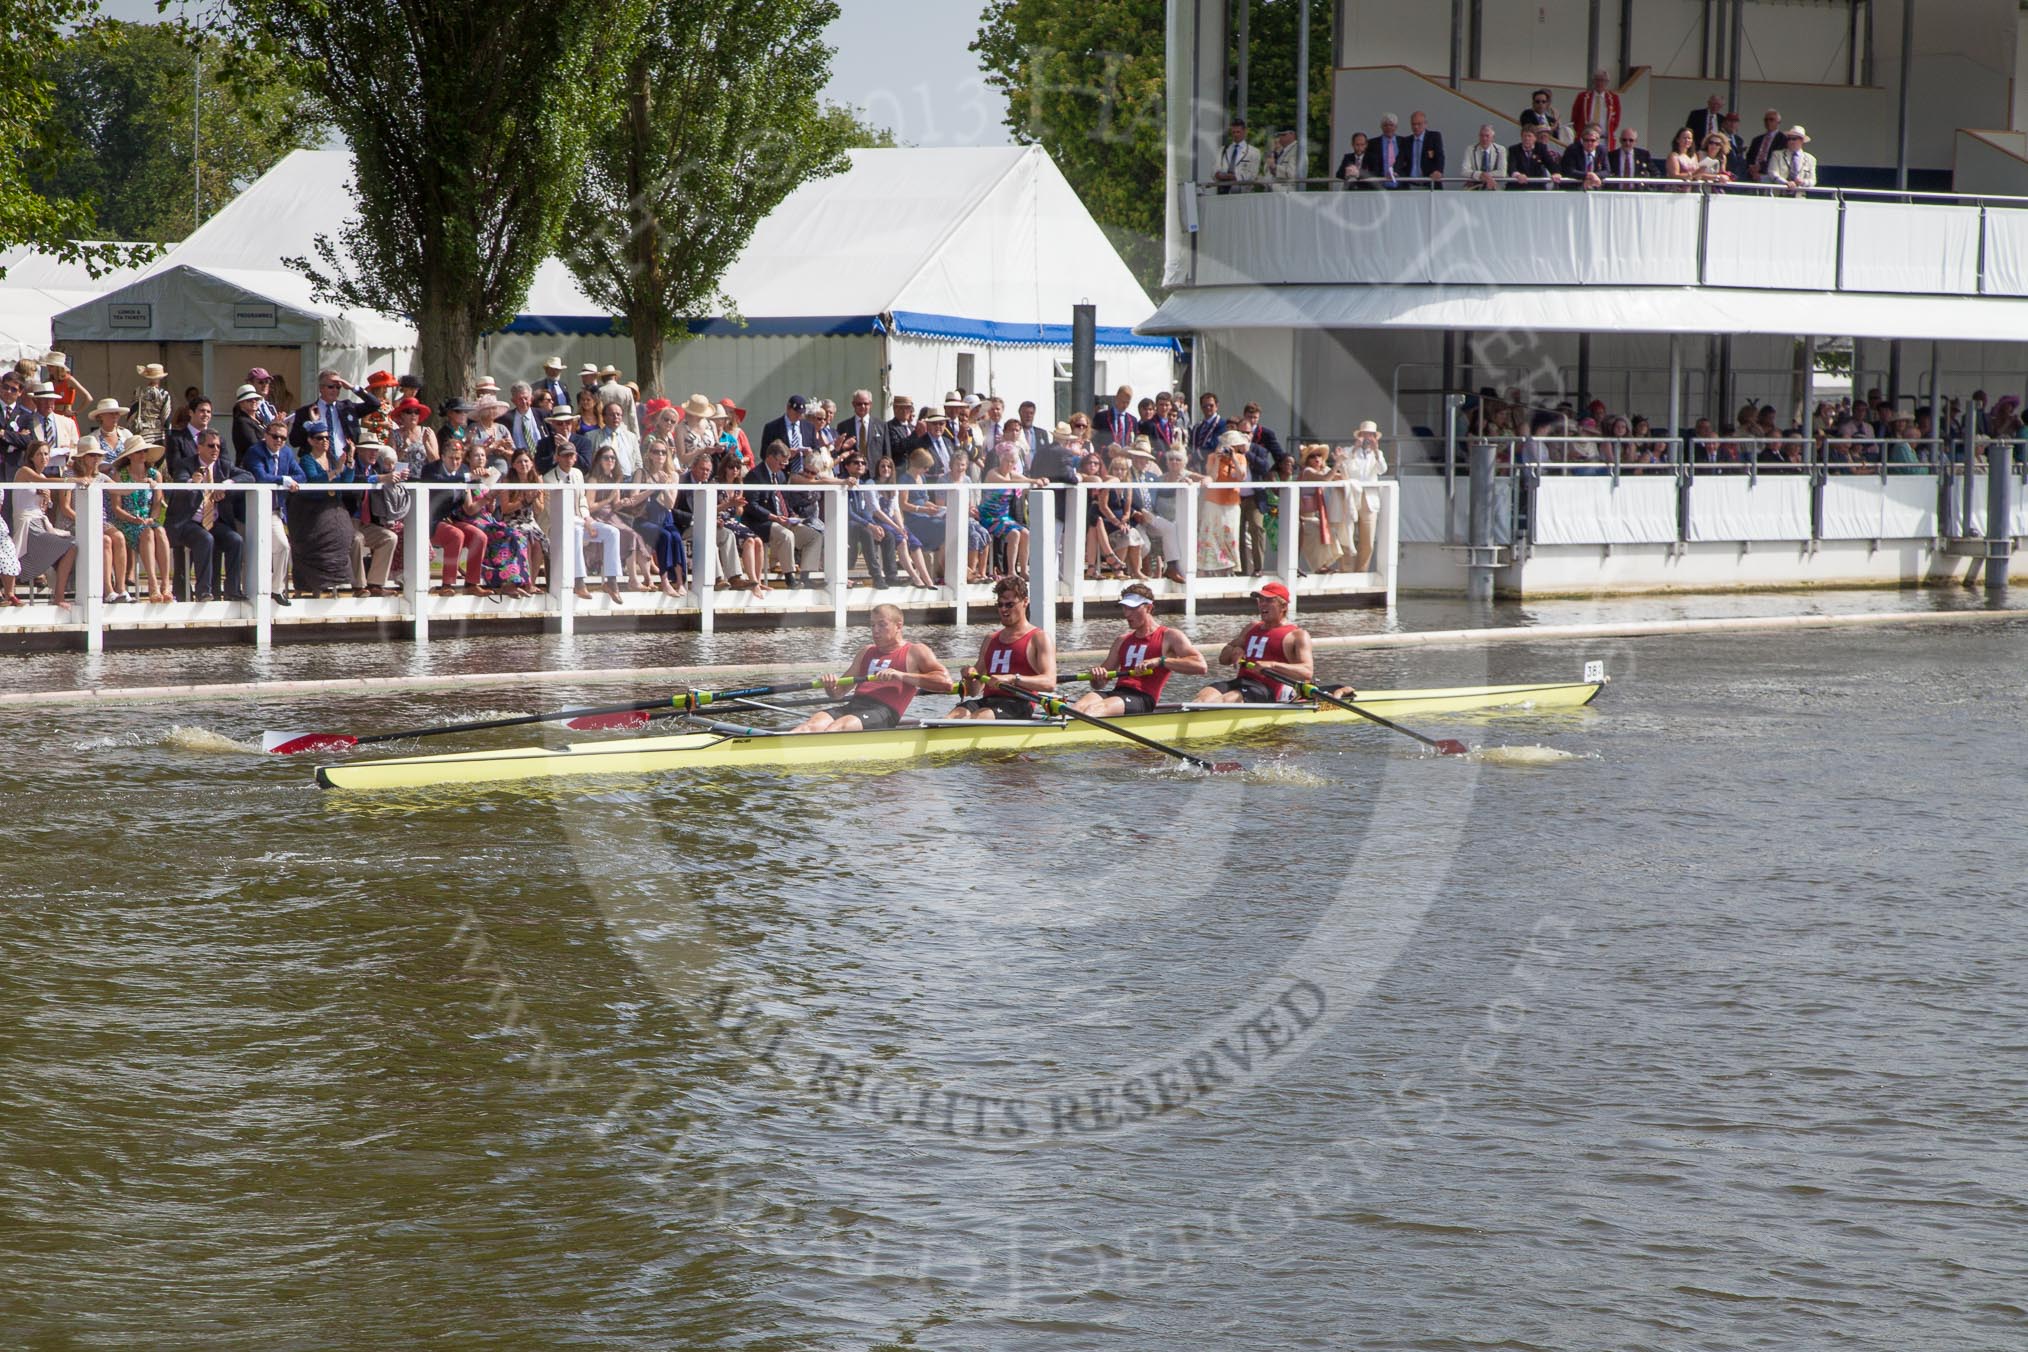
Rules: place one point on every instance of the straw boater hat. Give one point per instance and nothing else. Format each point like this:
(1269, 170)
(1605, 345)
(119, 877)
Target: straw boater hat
(44, 390)
(137, 446)
(699, 406)
(1140, 449)
(154, 370)
(952, 399)
(553, 364)
(1368, 426)
(486, 385)
(934, 416)
(245, 394)
(1796, 133)
(108, 405)
(561, 415)
(588, 369)
(1063, 432)
(610, 370)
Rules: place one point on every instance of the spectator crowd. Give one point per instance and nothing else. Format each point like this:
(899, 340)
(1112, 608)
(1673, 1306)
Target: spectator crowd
(648, 483)
(1595, 148)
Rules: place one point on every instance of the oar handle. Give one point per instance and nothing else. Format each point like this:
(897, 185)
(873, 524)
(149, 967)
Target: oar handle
(697, 699)
(1101, 673)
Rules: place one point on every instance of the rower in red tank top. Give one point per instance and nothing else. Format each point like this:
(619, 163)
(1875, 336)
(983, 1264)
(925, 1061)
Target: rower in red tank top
(886, 676)
(1270, 656)
(1017, 654)
(1145, 644)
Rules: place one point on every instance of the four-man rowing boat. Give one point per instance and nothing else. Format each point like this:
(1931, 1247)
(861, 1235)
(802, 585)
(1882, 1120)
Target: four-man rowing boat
(759, 748)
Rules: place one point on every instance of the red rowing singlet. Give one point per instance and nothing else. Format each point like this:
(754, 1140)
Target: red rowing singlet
(1007, 657)
(896, 695)
(1139, 652)
(1263, 644)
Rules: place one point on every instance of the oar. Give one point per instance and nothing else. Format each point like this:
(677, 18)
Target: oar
(1051, 704)
(691, 699)
(293, 743)
(1443, 746)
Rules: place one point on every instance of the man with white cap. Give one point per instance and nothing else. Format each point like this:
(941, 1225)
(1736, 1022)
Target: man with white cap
(552, 380)
(612, 391)
(58, 429)
(1140, 661)
(1794, 166)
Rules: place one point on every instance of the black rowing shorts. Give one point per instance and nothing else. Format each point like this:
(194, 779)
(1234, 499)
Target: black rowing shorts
(1137, 701)
(1252, 691)
(871, 713)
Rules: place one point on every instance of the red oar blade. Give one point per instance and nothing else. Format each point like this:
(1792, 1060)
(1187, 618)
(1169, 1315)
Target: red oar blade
(1451, 746)
(295, 743)
(1227, 768)
(601, 722)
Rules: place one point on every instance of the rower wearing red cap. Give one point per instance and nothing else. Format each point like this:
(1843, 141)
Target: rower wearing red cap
(1272, 656)
(887, 675)
(1140, 661)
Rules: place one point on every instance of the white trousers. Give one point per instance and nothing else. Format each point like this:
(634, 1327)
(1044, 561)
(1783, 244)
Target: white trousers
(609, 546)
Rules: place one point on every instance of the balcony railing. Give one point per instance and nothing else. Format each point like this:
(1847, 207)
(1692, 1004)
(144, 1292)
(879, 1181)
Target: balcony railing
(1630, 233)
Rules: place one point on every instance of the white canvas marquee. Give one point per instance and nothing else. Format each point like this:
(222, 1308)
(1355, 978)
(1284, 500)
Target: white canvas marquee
(38, 286)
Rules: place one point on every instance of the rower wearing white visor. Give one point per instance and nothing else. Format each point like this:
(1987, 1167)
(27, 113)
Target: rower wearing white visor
(886, 676)
(1140, 661)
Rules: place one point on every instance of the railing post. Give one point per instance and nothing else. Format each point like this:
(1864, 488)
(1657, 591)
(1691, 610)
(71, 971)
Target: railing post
(958, 553)
(563, 529)
(1042, 586)
(1287, 538)
(415, 562)
(837, 543)
(260, 548)
(1073, 554)
(704, 555)
(1186, 525)
(89, 580)
(1388, 522)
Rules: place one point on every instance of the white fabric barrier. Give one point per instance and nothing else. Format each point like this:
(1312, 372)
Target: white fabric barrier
(2017, 527)
(1416, 237)
(1900, 507)
(1925, 250)
(1787, 243)
(1593, 510)
(1738, 507)
(2007, 253)
(1425, 510)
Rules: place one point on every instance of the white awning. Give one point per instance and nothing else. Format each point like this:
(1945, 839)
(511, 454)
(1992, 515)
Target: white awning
(1593, 309)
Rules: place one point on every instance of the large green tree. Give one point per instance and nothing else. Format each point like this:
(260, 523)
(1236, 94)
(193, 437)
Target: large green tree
(722, 122)
(470, 126)
(1084, 79)
(37, 32)
(121, 137)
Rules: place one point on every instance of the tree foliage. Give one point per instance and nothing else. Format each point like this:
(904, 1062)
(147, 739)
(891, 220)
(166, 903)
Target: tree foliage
(722, 122)
(121, 137)
(37, 34)
(470, 126)
(1084, 79)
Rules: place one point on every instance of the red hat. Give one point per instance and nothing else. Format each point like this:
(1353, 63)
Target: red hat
(738, 413)
(415, 406)
(654, 406)
(1274, 589)
(257, 374)
(380, 380)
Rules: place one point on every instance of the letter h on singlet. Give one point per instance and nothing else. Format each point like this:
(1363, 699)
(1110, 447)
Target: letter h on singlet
(1256, 646)
(1002, 662)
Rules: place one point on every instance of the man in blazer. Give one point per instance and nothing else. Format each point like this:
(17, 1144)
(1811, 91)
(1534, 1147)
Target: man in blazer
(866, 432)
(1238, 160)
(1119, 424)
(1794, 166)
(1425, 149)
(1529, 161)
(1628, 160)
(1386, 160)
(1761, 150)
(181, 442)
(1584, 164)
(1485, 161)
(337, 409)
(903, 439)
(791, 429)
(1285, 162)
(1600, 104)
(1033, 435)
(1711, 117)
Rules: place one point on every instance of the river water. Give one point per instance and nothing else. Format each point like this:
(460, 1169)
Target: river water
(1707, 1032)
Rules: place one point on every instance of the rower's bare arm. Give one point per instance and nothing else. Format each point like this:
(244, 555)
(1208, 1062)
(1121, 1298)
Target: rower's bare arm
(1042, 657)
(1179, 654)
(1230, 653)
(1301, 664)
(927, 671)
